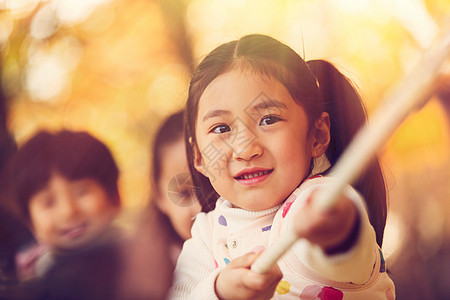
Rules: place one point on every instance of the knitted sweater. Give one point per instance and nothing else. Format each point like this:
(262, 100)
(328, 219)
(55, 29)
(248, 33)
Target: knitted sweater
(308, 273)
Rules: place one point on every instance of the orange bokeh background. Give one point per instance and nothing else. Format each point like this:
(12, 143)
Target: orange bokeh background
(117, 68)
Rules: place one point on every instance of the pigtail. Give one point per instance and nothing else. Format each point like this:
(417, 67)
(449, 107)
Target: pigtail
(347, 115)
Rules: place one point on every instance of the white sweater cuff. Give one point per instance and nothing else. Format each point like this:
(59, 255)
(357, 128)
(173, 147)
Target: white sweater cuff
(350, 266)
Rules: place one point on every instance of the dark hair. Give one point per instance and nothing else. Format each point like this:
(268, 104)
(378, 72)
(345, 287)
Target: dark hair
(347, 115)
(74, 155)
(317, 86)
(170, 131)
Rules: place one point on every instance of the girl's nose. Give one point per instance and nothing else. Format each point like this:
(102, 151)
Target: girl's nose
(249, 150)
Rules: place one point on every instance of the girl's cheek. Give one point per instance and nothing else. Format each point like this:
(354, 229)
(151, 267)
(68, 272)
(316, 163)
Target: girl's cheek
(214, 146)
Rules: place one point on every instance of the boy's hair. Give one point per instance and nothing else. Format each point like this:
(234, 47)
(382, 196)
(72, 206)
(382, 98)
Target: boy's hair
(317, 86)
(73, 155)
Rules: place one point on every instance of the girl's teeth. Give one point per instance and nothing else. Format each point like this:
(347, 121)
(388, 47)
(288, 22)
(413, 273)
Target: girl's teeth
(249, 176)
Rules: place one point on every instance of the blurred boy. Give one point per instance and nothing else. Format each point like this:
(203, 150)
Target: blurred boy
(66, 188)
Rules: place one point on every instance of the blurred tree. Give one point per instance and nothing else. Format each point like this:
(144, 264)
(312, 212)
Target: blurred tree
(7, 143)
(175, 11)
(444, 96)
(13, 233)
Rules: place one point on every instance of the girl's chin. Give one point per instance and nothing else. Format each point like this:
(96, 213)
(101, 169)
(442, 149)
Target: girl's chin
(252, 199)
(256, 207)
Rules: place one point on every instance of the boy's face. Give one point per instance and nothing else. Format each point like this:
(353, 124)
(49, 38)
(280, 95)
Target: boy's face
(68, 214)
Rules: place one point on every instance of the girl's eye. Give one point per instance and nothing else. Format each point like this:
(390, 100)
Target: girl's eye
(220, 129)
(268, 120)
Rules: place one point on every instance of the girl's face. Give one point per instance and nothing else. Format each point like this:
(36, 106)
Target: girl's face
(253, 139)
(67, 214)
(176, 196)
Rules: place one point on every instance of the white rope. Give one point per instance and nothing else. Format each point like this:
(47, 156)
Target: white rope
(412, 93)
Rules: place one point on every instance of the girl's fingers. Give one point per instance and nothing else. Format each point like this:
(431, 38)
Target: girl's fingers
(258, 282)
(244, 261)
(326, 228)
(243, 283)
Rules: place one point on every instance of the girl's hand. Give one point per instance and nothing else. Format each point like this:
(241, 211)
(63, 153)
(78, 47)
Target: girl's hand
(237, 281)
(334, 230)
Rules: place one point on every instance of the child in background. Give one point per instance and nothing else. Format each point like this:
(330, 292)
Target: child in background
(66, 188)
(172, 186)
(167, 222)
(263, 127)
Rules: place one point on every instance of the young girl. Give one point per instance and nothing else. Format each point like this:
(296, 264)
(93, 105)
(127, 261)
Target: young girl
(177, 203)
(263, 127)
(167, 222)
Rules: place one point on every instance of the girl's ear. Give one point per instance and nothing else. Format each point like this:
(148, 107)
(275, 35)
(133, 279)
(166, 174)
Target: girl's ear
(30, 226)
(321, 138)
(198, 160)
(118, 207)
(160, 203)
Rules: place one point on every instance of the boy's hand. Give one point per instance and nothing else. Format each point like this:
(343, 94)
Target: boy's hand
(333, 229)
(237, 281)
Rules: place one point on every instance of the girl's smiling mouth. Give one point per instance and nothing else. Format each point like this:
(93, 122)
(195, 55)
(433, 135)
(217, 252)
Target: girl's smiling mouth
(252, 177)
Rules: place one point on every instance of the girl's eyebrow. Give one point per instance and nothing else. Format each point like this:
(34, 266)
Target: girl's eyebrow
(265, 104)
(268, 104)
(215, 113)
